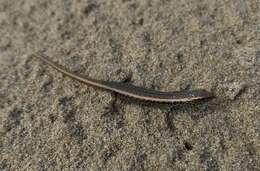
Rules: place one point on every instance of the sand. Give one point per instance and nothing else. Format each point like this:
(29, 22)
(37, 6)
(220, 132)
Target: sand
(51, 122)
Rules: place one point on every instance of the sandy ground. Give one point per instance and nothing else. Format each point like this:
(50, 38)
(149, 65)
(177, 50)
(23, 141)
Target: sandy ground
(50, 122)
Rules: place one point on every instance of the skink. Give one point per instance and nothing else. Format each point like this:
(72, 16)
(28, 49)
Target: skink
(129, 89)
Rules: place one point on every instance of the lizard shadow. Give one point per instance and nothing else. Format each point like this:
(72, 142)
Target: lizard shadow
(196, 109)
